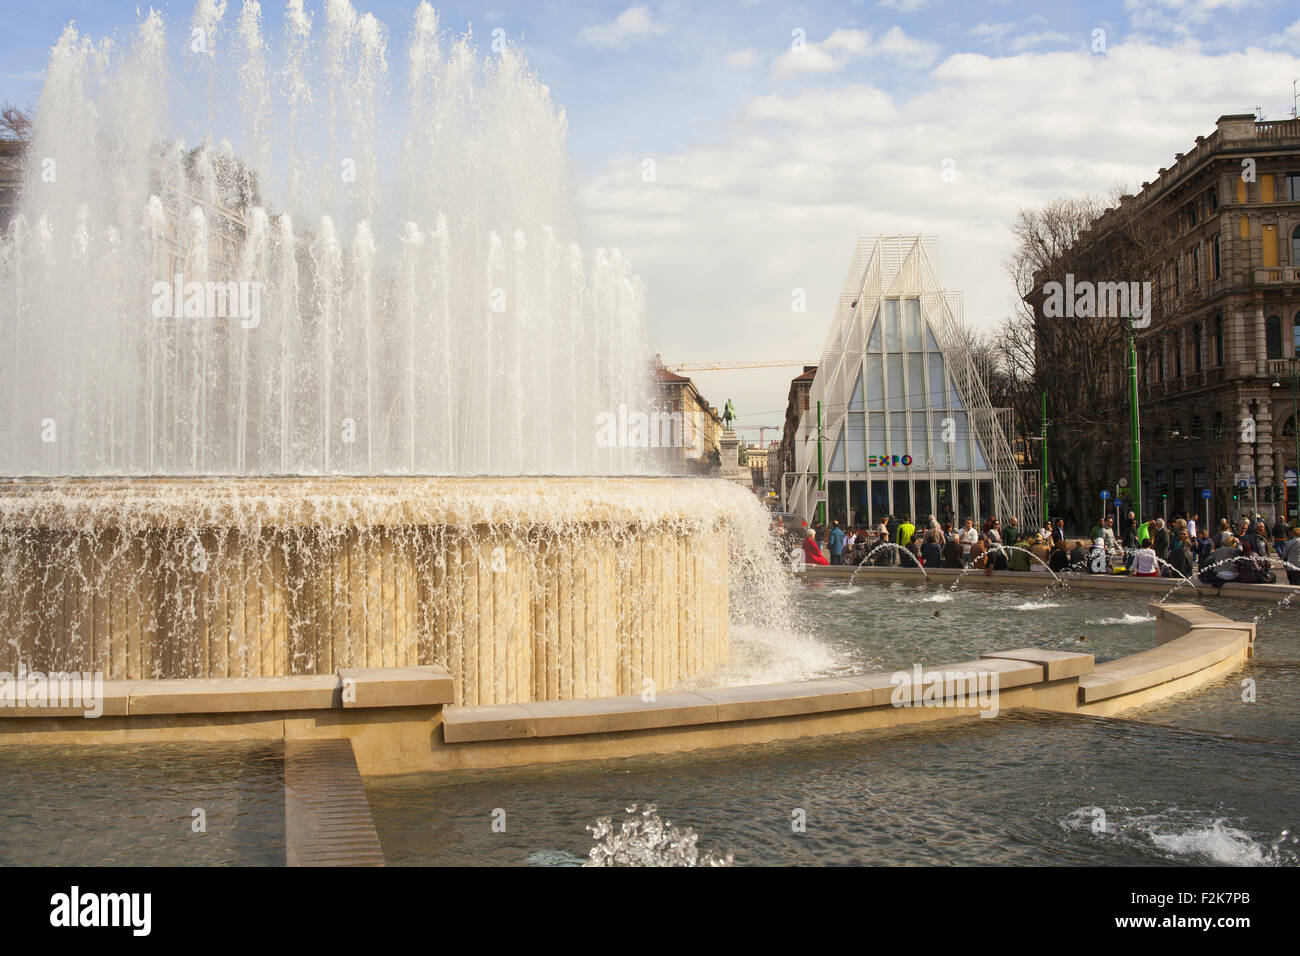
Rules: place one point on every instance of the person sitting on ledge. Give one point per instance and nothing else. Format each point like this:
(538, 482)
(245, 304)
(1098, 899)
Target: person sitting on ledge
(1145, 564)
(1060, 559)
(1019, 559)
(953, 553)
(811, 553)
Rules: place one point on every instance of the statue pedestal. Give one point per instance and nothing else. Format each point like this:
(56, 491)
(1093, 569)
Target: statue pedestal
(732, 470)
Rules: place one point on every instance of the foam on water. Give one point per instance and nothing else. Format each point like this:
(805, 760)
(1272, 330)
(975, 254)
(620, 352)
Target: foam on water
(1122, 619)
(1186, 836)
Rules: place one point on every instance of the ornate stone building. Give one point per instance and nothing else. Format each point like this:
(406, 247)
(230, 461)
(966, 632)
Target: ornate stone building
(1218, 375)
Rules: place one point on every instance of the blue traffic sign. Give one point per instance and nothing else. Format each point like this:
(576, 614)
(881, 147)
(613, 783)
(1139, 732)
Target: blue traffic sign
(1105, 495)
(1207, 493)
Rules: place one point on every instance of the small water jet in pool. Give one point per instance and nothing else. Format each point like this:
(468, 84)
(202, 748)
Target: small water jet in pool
(646, 839)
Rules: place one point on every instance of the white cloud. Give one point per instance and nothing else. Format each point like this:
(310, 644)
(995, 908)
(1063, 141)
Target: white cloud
(897, 46)
(634, 23)
(742, 59)
(1179, 17)
(777, 201)
(843, 46)
(903, 6)
(1288, 39)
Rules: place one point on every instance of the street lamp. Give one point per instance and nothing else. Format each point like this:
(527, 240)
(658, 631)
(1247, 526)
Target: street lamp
(1293, 365)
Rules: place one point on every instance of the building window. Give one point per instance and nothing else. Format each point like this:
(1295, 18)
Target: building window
(1218, 431)
(1215, 261)
(1214, 199)
(1295, 335)
(1196, 267)
(1293, 187)
(1273, 336)
(1160, 362)
(1196, 347)
(1295, 247)
(1218, 338)
(1178, 359)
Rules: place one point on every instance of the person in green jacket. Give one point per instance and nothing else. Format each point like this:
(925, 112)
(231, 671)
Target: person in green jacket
(1144, 533)
(905, 531)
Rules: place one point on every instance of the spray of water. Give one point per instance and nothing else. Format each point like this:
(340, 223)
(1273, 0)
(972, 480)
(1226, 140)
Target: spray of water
(240, 254)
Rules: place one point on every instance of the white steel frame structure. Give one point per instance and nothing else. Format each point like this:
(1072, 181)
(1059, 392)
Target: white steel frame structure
(907, 426)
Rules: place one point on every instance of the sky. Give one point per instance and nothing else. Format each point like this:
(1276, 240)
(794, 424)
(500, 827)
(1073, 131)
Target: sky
(735, 151)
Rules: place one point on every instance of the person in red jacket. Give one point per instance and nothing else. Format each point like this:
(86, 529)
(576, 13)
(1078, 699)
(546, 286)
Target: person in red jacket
(811, 553)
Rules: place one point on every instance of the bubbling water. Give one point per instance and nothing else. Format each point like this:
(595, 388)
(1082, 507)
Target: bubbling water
(240, 255)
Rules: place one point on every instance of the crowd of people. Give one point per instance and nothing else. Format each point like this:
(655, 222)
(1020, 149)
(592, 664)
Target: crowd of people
(1245, 551)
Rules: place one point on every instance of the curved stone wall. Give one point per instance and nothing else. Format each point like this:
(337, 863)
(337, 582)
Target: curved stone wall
(523, 589)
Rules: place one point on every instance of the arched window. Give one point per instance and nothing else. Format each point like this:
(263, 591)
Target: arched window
(1273, 336)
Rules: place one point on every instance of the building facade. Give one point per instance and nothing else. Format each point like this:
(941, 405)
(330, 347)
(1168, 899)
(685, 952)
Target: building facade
(895, 420)
(1218, 370)
(701, 425)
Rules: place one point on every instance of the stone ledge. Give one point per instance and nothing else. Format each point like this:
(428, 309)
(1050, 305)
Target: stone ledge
(1177, 658)
(559, 718)
(219, 695)
(788, 698)
(1175, 620)
(487, 722)
(395, 686)
(1057, 665)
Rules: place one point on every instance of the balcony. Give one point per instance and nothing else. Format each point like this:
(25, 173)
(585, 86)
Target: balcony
(1276, 275)
(1281, 370)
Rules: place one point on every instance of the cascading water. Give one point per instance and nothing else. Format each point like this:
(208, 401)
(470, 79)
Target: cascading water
(244, 271)
(319, 278)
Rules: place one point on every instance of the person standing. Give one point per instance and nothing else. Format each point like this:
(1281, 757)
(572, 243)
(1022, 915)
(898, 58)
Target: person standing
(1281, 535)
(968, 537)
(1291, 555)
(906, 531)
(837, 544)
(1160, 540)
(1058, 531)
(1013, 532)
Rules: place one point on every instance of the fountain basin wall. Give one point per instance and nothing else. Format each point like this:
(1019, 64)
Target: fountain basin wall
(524, 589)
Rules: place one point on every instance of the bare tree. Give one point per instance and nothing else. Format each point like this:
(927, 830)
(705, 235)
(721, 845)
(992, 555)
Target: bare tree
(16, 122)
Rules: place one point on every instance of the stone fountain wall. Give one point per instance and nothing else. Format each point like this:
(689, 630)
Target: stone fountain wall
(495, 579)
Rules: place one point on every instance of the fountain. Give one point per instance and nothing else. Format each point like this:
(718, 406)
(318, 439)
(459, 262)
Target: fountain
(279, 405)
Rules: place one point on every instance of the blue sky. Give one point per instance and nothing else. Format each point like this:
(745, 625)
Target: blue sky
(772, 160)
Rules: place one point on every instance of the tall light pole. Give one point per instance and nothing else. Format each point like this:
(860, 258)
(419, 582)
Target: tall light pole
(1135, 434)
(821, 475)
(1293, 366)
(1047, 519)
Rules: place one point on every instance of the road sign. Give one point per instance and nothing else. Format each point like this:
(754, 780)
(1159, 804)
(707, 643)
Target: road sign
(1290, 477)
(1105, 495)
(822, 495)
(1245, 481)
(1206, 493)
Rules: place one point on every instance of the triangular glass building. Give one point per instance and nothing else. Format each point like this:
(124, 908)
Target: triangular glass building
(906, 423)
